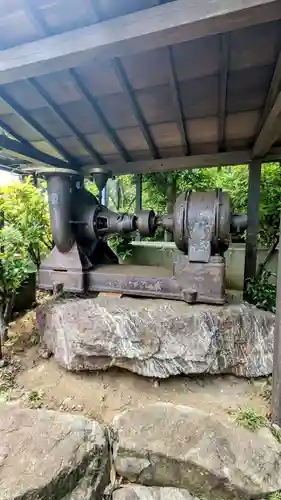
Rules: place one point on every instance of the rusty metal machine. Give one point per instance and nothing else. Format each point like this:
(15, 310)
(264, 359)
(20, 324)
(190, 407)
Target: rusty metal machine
(81, 259)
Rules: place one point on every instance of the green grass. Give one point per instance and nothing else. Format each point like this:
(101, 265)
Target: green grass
(4, 396)
(35, 398)
(275, 496)
(250, 419)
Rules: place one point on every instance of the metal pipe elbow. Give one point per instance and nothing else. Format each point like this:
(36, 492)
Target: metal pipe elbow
(59, 198)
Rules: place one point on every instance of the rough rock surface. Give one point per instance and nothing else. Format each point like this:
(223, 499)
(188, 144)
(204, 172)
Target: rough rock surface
(138, 492)
(158, 338)
(182, 447)
(47, 455)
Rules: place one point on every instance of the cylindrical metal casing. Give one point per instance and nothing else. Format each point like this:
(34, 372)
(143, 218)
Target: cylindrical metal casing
(59, 197)
(202, 219)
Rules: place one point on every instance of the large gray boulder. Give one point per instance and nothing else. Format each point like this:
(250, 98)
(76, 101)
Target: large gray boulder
(138, 492)
(46, 455)
(182, 447)
(158, 338)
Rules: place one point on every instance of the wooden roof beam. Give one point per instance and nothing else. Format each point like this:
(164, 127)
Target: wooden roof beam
(274, 89)
(36, 15)
(128, 89)
(19, 110)
(64, 118)
(223, 81)
(29, 151)
(11, 169)
(159, 26)
(92, 101)
(189, 162)
(175, 89)
(13, 133)
(97, 10)
(270, 131)
(37, 155)
(12, 161)
(270, 124)
(13, 165)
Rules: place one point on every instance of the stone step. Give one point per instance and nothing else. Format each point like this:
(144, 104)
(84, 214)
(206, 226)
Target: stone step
(181, 447)
(45, 454)
(166, 452)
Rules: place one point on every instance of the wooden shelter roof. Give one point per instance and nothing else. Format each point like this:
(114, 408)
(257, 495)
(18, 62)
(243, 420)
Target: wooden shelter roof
(140, 85)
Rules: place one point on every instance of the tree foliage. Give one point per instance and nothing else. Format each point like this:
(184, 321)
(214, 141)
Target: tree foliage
(235, 181)
(14, 270)
(14, 265)
(26, 209)
(155, 186)
(261, 291)
(231, 179)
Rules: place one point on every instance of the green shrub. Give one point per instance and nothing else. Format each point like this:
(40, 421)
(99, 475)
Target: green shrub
(121, 245)
(262, 292)
(275, 496)
(26, 209)
(14, 270)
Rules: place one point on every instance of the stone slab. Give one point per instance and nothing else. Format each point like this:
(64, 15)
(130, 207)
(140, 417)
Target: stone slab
(182, 447)
(47, 455)
(158, 338)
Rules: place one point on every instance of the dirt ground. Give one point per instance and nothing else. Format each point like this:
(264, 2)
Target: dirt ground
(30, 380)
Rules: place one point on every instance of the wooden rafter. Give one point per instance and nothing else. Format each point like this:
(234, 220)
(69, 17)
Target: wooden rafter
(160, 26)
(64, 118)
(127, 88)
(270, 125)
(270, 132)
(223, 79)
(87, 95)
(12, 164)
(28, 151)
(36, 125)
(274, 89)
(92, 101)
(175, 89)
(36, 16)
(97, 9)
(31, 151)
(13, 133)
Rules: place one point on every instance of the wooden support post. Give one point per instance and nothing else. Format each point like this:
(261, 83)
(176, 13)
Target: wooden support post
(276, 382)
(138, 193)
(35, 180)
(253, 221)
(138, 198)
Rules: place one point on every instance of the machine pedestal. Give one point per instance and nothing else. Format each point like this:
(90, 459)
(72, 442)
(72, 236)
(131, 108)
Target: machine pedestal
(190, 282)
(201, 282)
(64, 268)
